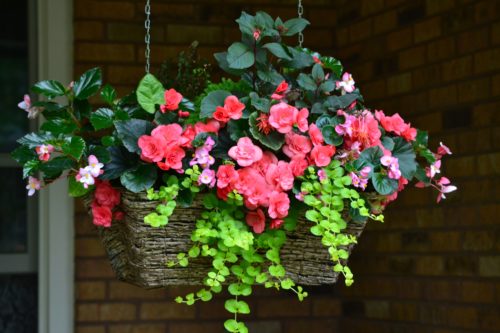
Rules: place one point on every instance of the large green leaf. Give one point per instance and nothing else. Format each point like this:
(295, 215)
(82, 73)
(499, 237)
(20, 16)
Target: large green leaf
(108, 94)
(54, 167)
(100, 152)
(406, 157)
(121, 161)
(49, 88)
(300, 59)
(32, 140)
(332, 64)
(273, 140)
(74, 147)
(23, 154)
(139, 179)
(88, 84)
(294, 26)
(240, 56)
(102, 118)
(278, 50)
(30, 167)
(330, 136)
(129, 131)
(370, 157)
(335, 103)
(221, 58)
(150, 93)
(76, 189)
(318, 74)
(246, 23)
(307, 82)
(59, 126)
(383, 184)
(212, 101)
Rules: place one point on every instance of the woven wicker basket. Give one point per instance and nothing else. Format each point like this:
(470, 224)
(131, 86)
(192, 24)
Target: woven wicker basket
(138, 252)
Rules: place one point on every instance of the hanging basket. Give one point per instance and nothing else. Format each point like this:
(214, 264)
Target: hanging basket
(139, 253)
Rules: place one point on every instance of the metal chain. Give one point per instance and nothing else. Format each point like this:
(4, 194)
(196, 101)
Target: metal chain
(147, 38)
(300, 12)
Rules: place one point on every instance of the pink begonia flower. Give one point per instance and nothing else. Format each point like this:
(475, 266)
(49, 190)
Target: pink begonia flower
(256, 220)
(106, 195)
(346, 127)
(356, 182)
(393, 166)
(173, 159)
(95, 167)
(118, 215)
(247, 178)
(85, 177)
(347, 83)
(298, 164)
(443, 150)
(397, 125)
(434, 169)
(172, 100)
(296, 145)
(153, 148)
(183, 114)
(315, 135)
(300, 196)
(245, 152)
(365, 172)
(444, 182)
(170, 133)
(102, 215)
(33, 185)
(283, 117)
(202, 157)
(258, 194)
(280, 176)
(211, 126)
(363, 129)
(44, 151)
(232, 109)
(302, 123)
(207, 177)
(276, 223)
(279, 203)
(322, 175)
(221, 114)
(256, 34)
(263, 164)
(280, 91)
(226, 175)
(25, 104)
(321, 156)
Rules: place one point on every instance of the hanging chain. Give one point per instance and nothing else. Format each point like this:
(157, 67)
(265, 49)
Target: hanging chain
(147, 38)
(300, 12)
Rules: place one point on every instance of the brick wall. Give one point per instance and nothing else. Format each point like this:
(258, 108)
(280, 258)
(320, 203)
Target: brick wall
(431, 269)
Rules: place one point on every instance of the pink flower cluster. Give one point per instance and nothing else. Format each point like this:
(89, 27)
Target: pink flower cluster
(392, 165)
(360, 180)
(284, 116)
(395, 124)
(106, 198)
(361, 130)
(232, 109)
(44, 152)
(87, 175)
(203, 158)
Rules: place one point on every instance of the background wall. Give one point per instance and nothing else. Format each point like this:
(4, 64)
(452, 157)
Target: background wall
(429, 268)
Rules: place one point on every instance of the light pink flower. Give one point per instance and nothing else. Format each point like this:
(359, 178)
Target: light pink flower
(347, 83)
(434, 169)
(283, 117)
(279, 203)
(153, 148)
(322, 175)
(444, 182)
(298, 164)
(25, 104)
(85, 177)
(280, 176)
(443, 150)
(256, 34)
(276, 223)
(170, 133)
(33, 185)
(226, 175)
(302, 123)
(280, 91)
(296, 145)
(315, 135)
(207, 177)
(245, 152)
(44, 151)
(267, 159)
(95, 166)
(173, 159)
(321, 156)
(256, 220)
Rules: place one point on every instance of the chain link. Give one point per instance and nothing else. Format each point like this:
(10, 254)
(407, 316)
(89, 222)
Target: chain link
(300, 12)
(147, 38)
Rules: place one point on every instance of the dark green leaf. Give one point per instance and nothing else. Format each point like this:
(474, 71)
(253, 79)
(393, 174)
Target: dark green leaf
(335, 103)
(270, 76)
(333, 64)
(150, 93)
(23, 154)
(330, 136)
(237, 129)
(211, 102)
(108, 94)
(421, 175)
(371, 157)
(273, 140)
(74, 147)
(428, 155)
(88, 84)
(185, 197)
(30, 167)
(76, 189)
(300, 59)
(82, 108)
(246, 23)
(121, 161)
(406, 157)
(294, 26)
(102, 118)
(129, 132)
(139, 179)
(318, 108)
(317, 73)
(278, 50)
(32, 140)
(239, 56)
(422, 138)
(58, 126)
(264, 20)
(101, 153)
(109, 141)
(49, 88)
(56, 166)
(165, 118)
(259, 103)
(383, 184)
(221, 58)
(307, 82)
(388, 143)
(327, 86)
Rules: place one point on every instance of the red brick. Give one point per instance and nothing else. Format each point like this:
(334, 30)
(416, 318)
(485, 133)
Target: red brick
(93, 268)
(412, 57)
(326, 307)
(105, 52)
(301, 326)
(443, 48)
(117, 311)
(166, 310)
(398, 84)
(137, 328)
(427, 30)
(133, 32)
(125, 74)
(104, 9)
(276, 307)
(90, 290)
(371, 6)
(89, 30)
(121, 290)
(472, 40)
(434, 7)
(489, 266)
(457, 68)
(196, 327)
(90, 329)
(361, 30)
(469, 91)
(486, 61)
(477, 292)
(399, 39)
(495, 33)
(385, 22)
(496, 86)
(443, 96)
(186, 34)
(89, 247)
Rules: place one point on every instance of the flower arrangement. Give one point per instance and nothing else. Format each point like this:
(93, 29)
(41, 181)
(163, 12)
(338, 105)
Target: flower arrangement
(291, 136)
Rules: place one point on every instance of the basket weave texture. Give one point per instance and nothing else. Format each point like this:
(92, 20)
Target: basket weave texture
(138, 252)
